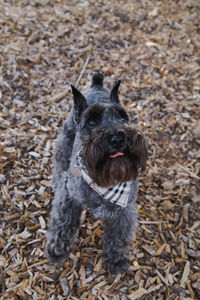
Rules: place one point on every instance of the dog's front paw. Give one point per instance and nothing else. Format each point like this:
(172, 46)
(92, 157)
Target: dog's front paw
(56, 251)
(117, 265)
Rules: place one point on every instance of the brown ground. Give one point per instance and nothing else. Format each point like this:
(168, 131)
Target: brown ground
(154, 47)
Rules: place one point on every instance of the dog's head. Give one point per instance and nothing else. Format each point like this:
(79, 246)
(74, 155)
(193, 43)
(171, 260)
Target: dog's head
(112, 150)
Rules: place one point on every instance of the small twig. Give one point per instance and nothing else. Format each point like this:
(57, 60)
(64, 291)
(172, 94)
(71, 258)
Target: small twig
(152, 222)
(83, 70)
(57, 97)
(13, 287)
(162, 278)
(189, 172)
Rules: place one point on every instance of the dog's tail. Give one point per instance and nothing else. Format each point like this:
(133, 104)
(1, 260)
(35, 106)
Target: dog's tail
(97, 79)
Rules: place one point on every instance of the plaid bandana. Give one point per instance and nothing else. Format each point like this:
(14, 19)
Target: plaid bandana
(118, 194)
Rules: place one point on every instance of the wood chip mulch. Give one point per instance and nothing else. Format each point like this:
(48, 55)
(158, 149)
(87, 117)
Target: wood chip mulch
(154, 47)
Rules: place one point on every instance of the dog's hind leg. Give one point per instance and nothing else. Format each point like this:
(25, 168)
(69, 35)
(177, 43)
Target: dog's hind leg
(63, 224)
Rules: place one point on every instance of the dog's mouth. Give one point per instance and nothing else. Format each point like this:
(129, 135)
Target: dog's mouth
(117, 154)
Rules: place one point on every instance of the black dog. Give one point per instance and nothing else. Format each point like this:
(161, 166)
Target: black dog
(97, 159)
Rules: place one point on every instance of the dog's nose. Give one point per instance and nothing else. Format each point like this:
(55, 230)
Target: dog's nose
(117, 140)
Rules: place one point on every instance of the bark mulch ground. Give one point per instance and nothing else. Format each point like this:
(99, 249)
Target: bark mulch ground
(154, 47)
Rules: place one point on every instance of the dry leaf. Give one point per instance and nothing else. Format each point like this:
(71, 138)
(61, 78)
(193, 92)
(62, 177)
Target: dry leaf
(185, 274)
(160, 250)
(140, 292)
(24, 235)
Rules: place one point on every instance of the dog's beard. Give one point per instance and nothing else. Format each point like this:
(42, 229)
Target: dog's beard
(115, 171)
(106, 171)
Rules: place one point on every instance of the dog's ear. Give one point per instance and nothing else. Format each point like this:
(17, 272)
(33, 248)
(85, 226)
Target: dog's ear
(114, 92)
(80, 104)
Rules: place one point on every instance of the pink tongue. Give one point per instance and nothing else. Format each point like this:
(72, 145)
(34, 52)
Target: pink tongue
(116, 154)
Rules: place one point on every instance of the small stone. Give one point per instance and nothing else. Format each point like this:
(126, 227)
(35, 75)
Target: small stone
(65, 286)
(34, 154)
(192, 253)
(2, 178)
(185, 115)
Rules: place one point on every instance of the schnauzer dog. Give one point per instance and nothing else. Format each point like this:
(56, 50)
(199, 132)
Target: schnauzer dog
(97, 159)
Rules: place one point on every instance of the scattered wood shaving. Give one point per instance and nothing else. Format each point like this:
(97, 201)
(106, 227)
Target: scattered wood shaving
(153, 47)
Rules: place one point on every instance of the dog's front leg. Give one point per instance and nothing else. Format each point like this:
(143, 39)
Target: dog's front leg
(118, 238)
(63, 224)
(63, 151)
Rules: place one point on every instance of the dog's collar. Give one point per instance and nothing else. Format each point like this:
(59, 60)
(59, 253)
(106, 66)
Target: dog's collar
(118, 194)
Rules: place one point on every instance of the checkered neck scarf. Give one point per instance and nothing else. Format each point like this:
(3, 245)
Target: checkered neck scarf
(118, 194)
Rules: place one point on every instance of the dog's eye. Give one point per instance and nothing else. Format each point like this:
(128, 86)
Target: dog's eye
(91, 123)
(124, 118)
